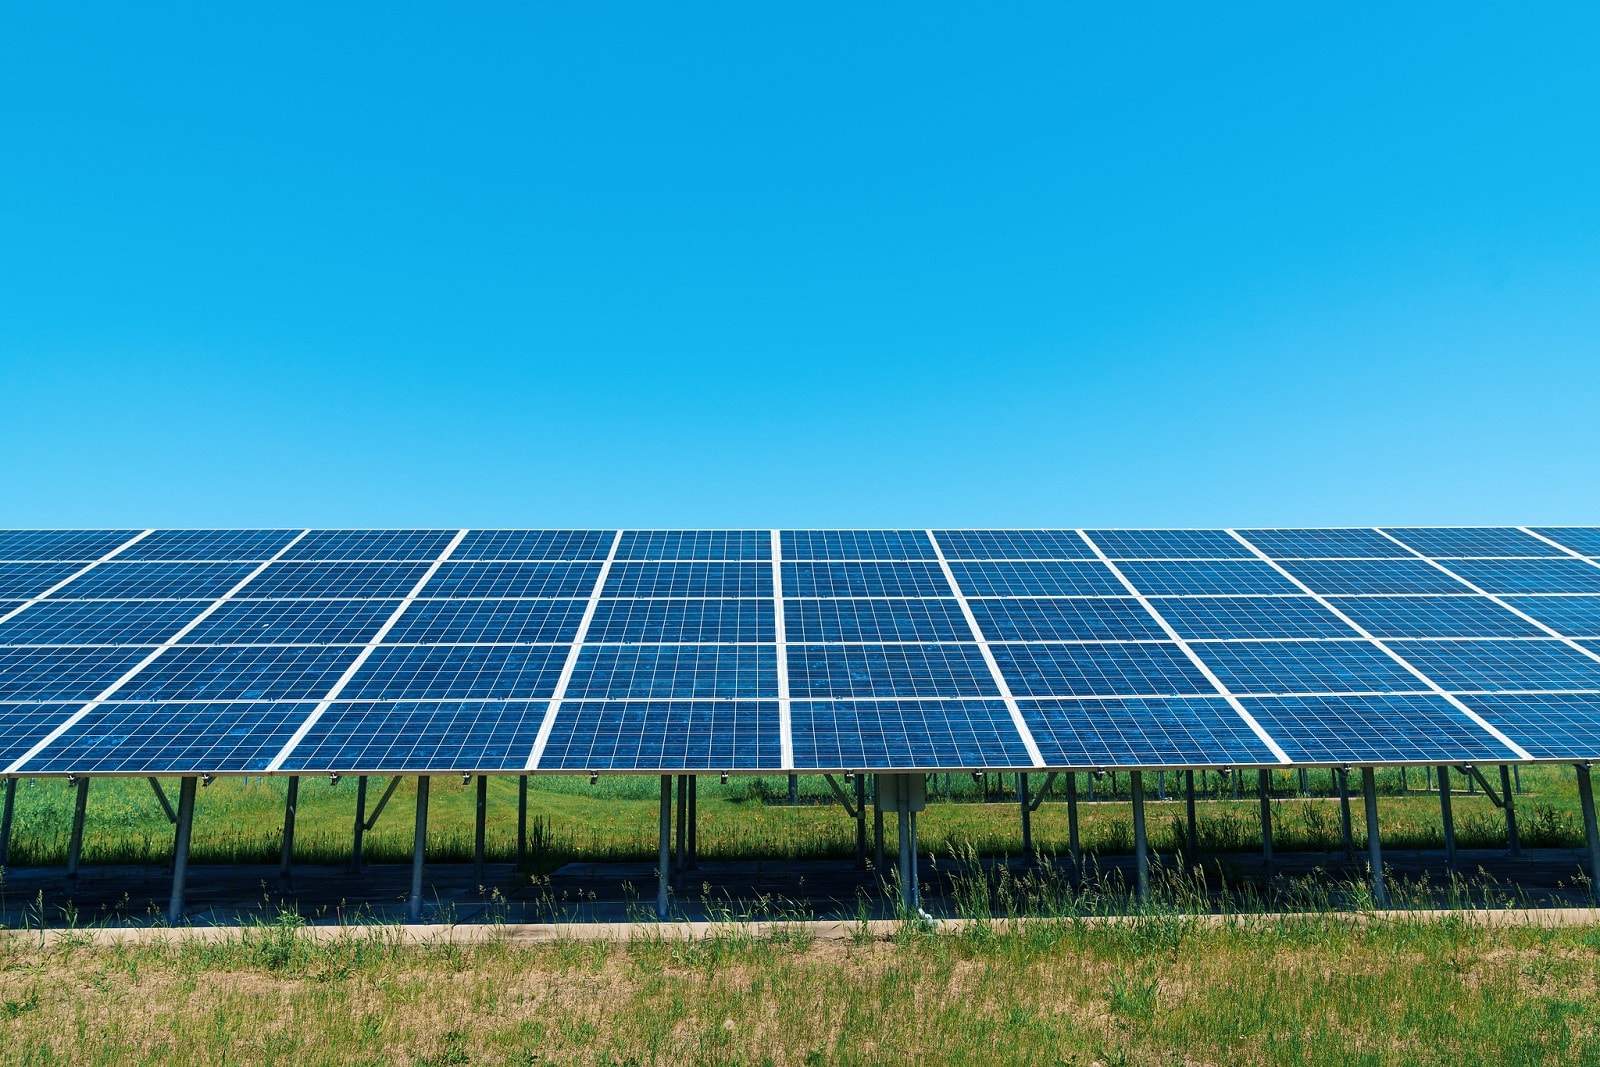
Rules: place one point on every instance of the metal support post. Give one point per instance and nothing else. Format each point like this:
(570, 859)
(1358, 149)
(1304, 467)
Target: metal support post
(794, 789)
(1369, 789)
(286, 859)
(5, 821)
(1027, 818)
(1161, 785)
(694, 828)
(522, 821)
(1513, 842)
(1447, 816)
(361, 825)
(180, 849)
(683, 823)
(1194, 834)
(1264, 781)
(1141, 861)
(1305, 782)
(75, 842)
(1072, 822)
(418, 848)
(916, 868)
(902, 823)
(1235, 777)
(1344, 814)
(664, 861)
(861, 820)
(1591, 833)
(877, 823)
(481, 826)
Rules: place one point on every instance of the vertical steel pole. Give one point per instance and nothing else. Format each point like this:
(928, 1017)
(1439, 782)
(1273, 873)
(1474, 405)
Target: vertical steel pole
(75, 842)
(1591, 833)
(861, 820)
(694, 822)
(1513, 842)
(902, 825)
(1072, 821)
(1305, 782)
(5, 821)
(289, 804)
(1344, 814)
(1264, 787)
(481, 826)
(1027, 818)
(418, 848)
(361, 825)
(1141, 861)
(916, 868)
(794, 789)
(1447, 817)
(180, 849)
(1194, 832)
(877, 823)
(522, 821)
(1235, 777)
(664, 861)
(1369, 787)
(683, 824)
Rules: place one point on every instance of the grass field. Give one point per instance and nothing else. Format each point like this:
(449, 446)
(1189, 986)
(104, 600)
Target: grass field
(240, 820)
(1163, 989)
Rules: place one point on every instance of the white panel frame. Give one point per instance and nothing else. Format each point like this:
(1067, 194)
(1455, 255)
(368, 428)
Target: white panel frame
(548, 723)
(75, 575)
(781, 637)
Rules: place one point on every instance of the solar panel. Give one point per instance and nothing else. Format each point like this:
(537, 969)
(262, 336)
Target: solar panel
(425, 651)
(1584, 540)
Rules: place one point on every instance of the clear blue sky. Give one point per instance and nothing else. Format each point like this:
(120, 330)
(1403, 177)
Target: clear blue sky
(732, 265)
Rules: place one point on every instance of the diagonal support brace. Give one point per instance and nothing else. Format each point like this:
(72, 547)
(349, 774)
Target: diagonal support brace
(849, 809)
(166, 806)
(1494, 798)
(394, 783)
(1038, 798)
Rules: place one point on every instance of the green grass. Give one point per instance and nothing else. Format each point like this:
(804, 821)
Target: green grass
(1162, 989)
(240, 820)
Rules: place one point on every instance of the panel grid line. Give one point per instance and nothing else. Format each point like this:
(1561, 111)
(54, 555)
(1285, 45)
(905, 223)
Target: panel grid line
(1437, 689)
(1553, 544)
(1017, 720)
(781, 637)
(155, 654)
(362, 656)
(8, 616)
(548, 723)
(1194, 657)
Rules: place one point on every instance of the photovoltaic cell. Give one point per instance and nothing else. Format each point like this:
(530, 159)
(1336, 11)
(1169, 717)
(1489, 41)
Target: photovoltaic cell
(1353, 542)
(1387, 729)
(81, 546)
(1187, 731)
(1305, 667)
(302, 580)
(98, 622)
(23, 725)
(1549, 725)
(488, 622)
(1213, 618)
(457, 672)
(823, 671)
(905, 735)
(512, 580)
(371, 544)
(535, 545)
(157, 581)
(834, 579)
(1366, 576)
(625, 735)
(1169, 544)
(869, 621)
(62, 673)
(1066, 620)
(698, 672)
(1529, 575)
(1099, 670)
(856, 544)
(21, 581)
(749, 545)
(1051, 578)
(420, 737)
(1435, 616)
(152, 738)
(231, 545)
(681, 622)
(240, 673)
(1442, 542)
(1495, 665)
(1203, 577)
(676, 580)
(1013, 544)
(1572, 616)
(291, 622)
(1584, 540)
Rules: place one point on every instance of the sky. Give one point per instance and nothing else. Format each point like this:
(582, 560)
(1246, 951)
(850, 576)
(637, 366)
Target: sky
(810, 265)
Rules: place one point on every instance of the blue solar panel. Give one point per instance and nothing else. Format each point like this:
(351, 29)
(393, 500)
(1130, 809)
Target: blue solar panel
(1435, 616)
(1585, 540)
(839, 671)
(1495, 665)
(1305, 667)
(1066, 620)
(65, 545)
(1178, 731)
(1385, 576)
(657, 672)
(620, 735)
(231, 545)
(457, 672)
(856, 544)
(736, 580)
(1387, 729)
(535, 545)
(1013, 544)
(1099, 670)
(1573, 616)
(23, 725)
(905, 735)
(1443, 542)
(1529, 575)
(63, 673)
(1242, 617)
(513, 580)
(420, 737)
(98, 622)
(834, 579)
(1562, 726)
(150, 738)
(818, 621)
(1355, 542)
(157, 581)
(748, 545)
(1169, 544)
(1205, 577)
(292, 622)
(371, 544)
(20, 581)
(304, 580)
(1065, 578)
(240, 673)
(681, 621)
(488, 622)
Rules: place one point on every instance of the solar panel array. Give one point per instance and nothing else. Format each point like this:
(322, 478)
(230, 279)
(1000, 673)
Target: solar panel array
(356, 651)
